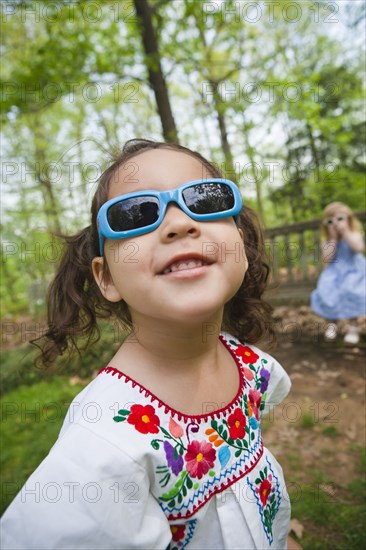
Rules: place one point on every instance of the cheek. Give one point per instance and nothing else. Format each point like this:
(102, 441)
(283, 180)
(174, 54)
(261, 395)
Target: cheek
(237, 274)
(244, 263)
(122, 253)
(238, 264)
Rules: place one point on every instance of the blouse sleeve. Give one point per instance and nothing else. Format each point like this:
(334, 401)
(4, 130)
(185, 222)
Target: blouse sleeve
(86, 494)
(279, 384)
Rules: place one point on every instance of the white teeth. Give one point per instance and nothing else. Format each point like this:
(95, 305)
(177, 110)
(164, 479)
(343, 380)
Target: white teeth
(180, 266)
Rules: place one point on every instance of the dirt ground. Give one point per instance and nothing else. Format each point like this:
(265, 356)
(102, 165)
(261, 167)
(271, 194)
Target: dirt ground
(328, 393)
(317, 431)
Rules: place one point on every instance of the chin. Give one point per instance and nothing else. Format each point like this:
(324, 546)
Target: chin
(194, 315)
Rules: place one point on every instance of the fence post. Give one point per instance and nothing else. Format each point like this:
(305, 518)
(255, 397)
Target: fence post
(290, 276)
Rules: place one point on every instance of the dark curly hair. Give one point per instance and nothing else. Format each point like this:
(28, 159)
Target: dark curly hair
(75, 301)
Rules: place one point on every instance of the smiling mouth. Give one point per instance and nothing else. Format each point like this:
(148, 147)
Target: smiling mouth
(184, 265)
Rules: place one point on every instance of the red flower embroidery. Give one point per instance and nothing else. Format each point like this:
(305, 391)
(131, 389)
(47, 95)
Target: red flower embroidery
(246, 354)
(178, 532)
(144, 419)
(254, 403)
(200, 457)
(237, 423)
(248, 374)
(264, 491)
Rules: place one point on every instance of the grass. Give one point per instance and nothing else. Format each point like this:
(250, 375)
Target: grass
(308, 421)
(31, 420)
(293, 461)
(35, 402)
(17, 364)
(330, 431)
(357, 487)
(334, 517)
(329, 524)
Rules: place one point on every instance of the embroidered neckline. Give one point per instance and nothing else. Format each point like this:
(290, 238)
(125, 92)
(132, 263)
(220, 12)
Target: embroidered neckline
(195, 460)
(198, 459)
(182, 416)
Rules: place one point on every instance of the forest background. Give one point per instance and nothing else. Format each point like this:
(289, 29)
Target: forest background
(271, 91)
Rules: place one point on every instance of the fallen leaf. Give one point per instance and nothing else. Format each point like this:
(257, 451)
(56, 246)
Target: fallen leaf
(330, 490)
(297, 528)
(75, 380)
(351, 432)
(296, 376)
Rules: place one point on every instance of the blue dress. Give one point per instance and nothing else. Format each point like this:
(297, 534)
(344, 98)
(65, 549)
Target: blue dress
(341, 289)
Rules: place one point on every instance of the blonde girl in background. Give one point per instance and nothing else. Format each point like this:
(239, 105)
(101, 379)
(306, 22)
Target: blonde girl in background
(341, 288)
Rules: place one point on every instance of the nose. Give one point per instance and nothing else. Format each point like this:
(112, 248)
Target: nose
(178, 224)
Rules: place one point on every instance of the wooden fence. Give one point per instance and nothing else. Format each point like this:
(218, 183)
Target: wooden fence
(295, 256)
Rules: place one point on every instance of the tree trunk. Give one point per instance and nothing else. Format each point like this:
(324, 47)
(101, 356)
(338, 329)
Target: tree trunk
(258, 183)
(50, 203)
(229, 160)
(51, 208)
(156, 77)
(314, 151)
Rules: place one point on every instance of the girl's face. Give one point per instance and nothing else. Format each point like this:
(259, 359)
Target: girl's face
(184, 271)
(337, 222)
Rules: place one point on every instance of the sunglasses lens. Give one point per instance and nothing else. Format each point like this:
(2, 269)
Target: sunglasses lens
(133, 213)
(208, 198)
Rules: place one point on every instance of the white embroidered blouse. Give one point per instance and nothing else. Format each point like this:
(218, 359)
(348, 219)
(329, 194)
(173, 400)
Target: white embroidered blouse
(127, 471)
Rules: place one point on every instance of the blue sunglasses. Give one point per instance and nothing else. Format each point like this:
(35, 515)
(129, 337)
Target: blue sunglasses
(143, 211)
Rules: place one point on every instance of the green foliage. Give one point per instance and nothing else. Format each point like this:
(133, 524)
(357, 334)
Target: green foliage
(31, 420)
(275, 103)
(324, 154)
(18, 363)
(330, 431)
(308, 421)
(357, 487)
(17, 368)
(331, 522)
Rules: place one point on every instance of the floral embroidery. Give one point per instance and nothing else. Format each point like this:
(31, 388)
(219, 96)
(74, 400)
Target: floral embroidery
(144, 419)
(206, 454)
(255, 399)
(265, 375)
(264, 490)
(178, 532)
(175, 429)
(200, 457)
(268, 497)
(253, 423)
(190, 459)
(247, 355)
(182, 534)
(174, 460)
(236, 423)
(214, 437)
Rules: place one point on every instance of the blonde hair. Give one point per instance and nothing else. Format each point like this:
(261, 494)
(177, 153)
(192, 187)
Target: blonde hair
(334, 208)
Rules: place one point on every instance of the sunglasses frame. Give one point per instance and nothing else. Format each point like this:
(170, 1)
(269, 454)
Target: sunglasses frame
(338, 218)
(164, 198)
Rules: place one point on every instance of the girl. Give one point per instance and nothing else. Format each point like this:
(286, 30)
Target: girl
(341, 290)
(163, 449)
